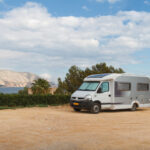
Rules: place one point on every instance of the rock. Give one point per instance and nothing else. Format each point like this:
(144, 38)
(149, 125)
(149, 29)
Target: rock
(16, 79)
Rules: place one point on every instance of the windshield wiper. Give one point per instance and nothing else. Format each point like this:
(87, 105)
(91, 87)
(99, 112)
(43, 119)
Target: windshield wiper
(89, 90)
(85, 90)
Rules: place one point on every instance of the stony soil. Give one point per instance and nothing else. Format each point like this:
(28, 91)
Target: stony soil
(60, 128)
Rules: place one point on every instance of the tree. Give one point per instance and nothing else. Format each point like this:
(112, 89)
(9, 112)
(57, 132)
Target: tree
(75, 76)
(40, 86)
(24, 91)
(61, 89)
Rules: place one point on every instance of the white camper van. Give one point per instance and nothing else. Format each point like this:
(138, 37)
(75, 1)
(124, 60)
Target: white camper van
(112, 91)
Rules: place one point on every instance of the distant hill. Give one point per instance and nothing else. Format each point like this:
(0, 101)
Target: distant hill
(16, 79)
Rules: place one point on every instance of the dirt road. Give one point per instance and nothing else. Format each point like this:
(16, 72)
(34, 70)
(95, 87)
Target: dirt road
(60, 128)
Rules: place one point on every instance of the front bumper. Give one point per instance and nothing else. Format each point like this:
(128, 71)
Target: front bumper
(82, 104)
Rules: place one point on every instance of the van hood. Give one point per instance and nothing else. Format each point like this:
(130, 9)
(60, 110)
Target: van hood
(82, 94)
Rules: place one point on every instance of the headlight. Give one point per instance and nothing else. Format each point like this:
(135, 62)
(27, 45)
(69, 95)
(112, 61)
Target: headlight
(88, 97)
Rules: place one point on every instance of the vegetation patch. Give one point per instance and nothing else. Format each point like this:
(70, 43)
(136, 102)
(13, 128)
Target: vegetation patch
(14, 100)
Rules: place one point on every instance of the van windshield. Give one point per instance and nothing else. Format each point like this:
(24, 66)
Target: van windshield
(89, 86)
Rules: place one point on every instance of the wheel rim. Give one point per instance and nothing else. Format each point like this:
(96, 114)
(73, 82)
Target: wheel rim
(96, 108)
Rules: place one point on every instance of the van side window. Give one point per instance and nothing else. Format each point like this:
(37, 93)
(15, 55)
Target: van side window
(123, 86)
(122, 89)
(105, 87)
(142, 87)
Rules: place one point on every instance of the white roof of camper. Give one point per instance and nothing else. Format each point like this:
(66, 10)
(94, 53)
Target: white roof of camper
(108, 76)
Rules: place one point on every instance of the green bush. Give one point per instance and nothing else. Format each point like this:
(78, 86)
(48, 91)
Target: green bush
(12, 100)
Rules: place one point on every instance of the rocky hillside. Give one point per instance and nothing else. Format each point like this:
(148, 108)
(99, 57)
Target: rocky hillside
(16, 79)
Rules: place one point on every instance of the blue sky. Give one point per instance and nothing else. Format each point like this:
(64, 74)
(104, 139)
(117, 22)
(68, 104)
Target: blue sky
(78, 7)
(46, 37)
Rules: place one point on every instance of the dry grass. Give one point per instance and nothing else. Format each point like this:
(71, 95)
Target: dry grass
(60, 128)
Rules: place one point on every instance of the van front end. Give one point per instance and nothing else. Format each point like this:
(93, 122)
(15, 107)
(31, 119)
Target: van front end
(92, 95)
(79, 103)
(85, 100)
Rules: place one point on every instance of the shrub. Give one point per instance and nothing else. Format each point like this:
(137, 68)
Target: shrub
(13, 100)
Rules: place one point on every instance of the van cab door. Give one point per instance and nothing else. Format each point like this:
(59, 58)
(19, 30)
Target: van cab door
(104, 94)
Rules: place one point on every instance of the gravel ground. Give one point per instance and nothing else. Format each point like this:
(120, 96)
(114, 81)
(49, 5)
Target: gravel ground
(60, 128)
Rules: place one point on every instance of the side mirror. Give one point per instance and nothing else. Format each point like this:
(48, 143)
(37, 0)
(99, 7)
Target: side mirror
(99, 90)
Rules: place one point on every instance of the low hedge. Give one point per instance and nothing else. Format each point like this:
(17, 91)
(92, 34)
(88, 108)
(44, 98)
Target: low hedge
(12, 100)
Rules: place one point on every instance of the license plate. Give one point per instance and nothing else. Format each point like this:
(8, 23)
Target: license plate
(76, 104)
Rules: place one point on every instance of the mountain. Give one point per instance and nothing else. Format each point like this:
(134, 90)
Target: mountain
(16, 79)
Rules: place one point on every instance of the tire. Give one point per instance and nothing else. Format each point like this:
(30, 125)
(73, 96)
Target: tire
(77, 109)
(134, 107)
(96, 108)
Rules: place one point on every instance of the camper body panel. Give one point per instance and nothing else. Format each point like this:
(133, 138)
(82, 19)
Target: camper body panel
(128, 97)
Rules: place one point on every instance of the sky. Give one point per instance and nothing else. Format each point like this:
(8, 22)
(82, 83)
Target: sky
(47, 37)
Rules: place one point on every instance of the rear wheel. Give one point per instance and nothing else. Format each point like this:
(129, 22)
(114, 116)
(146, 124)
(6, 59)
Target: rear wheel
(77, 109)
(134, 107)
(95, 108)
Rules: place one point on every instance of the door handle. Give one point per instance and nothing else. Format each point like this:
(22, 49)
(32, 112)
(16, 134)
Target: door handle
(109, 95)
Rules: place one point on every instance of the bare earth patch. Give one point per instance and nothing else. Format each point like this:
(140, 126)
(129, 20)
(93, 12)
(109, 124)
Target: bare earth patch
(60, 128)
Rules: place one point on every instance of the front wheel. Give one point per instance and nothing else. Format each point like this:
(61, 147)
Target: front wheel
(95, 108)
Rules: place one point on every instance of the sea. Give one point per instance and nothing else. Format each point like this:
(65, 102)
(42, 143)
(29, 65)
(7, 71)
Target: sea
(10, 90)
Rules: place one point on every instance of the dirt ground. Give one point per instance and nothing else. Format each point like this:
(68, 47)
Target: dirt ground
(60, 128)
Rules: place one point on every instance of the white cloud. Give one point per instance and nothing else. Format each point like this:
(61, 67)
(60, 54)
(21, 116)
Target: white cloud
(33, 40)
(113, 1)
(101, 1)
(85, 8)
(46, 76)
(109, 1)
(147, 2)
(9, 54)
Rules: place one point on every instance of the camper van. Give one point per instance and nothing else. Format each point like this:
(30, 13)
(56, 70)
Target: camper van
(112, 91)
